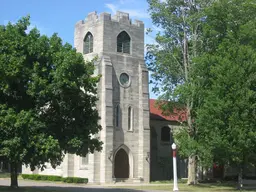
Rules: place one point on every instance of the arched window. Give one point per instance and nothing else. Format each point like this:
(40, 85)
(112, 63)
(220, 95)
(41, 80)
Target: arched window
(88, 43)
(117, 115)
(123, 42)
(130, 119)
(165, 134)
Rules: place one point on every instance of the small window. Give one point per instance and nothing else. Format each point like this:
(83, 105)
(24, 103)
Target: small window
(88, 43)
(84, 160)
(165, 134)
(130, 119)
(117, 115)
(123, 42)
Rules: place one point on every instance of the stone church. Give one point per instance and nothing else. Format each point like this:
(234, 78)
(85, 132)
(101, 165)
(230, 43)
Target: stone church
(137, 137)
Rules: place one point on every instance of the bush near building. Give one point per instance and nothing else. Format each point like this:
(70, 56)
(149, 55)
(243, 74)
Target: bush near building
(54, 178)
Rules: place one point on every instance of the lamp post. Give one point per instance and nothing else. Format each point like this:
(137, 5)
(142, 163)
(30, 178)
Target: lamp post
(175, 180)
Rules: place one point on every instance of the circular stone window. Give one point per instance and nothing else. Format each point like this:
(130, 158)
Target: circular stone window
(124, 79)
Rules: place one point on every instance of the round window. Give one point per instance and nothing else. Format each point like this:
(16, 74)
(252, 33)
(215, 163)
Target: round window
(124, 79)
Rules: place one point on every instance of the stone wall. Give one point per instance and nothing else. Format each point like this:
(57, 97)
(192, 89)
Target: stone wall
(111, 64)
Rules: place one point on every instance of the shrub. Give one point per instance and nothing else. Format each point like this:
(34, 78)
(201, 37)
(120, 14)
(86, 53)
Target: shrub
(75, 180)
(41, 177)
(25, 176)
(54, 178)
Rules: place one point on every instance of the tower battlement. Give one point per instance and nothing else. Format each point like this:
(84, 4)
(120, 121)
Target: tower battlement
(121, 17)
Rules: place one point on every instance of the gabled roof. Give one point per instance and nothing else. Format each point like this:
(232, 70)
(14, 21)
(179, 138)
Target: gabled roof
(157, 114)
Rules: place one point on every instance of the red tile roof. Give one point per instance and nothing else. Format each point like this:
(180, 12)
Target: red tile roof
(157, 114)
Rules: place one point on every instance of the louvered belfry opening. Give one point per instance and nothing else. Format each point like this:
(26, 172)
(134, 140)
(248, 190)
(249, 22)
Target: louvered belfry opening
(123, 42)
(88, 43)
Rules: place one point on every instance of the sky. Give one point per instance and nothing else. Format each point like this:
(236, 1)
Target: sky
(60, 16)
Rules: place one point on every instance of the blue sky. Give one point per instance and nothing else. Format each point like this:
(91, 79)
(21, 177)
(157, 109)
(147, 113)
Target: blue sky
(60, 16)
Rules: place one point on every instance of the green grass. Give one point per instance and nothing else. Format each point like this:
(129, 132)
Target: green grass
(4, 175)
(168, 181)
(165, 187)
(7, 175)
(26, 189)
(186, 188)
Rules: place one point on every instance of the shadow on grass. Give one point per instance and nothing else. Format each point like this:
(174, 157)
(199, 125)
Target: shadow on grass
(226, 186)
(65, 189)
(57, 187)
(215, 185)
(204, 184)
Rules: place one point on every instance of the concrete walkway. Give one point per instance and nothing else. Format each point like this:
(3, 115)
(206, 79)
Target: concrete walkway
(79, 187)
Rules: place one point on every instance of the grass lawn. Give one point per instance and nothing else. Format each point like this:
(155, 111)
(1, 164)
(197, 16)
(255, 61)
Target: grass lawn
(4, 175)
(184, 187)
(28, 189)
(31, 189)
(165, 187)
(22, 189)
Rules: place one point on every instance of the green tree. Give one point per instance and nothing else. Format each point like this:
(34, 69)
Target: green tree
(226, 76)
(170, 61)
(47, 99)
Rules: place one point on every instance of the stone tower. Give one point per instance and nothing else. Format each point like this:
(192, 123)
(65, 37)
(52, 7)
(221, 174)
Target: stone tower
(123, 96)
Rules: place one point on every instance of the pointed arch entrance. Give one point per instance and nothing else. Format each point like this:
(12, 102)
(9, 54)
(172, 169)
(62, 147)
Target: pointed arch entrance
(122, 166)
(123, 163)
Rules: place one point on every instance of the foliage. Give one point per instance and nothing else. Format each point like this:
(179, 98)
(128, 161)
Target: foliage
(170, 61)
(54, 178)
(75, 180)
(41, 177)
(170, 58)
(212, 76)
(226, 75)
(47, 98)
(180, 25)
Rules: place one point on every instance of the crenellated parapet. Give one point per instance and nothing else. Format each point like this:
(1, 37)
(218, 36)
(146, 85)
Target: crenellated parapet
(120, 17)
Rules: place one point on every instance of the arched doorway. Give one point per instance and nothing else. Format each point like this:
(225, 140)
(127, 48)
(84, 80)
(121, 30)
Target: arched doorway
(121, 164)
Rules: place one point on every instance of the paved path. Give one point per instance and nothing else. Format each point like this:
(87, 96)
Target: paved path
(76, 187)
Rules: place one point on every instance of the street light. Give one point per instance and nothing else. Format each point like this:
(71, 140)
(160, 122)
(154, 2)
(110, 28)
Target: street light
(175, 182)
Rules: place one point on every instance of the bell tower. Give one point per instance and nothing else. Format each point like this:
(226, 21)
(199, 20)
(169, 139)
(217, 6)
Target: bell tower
(123, 96)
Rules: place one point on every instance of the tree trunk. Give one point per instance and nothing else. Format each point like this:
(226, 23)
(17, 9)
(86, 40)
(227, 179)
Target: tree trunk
(1, 166)
(14, 175)
(192, 160)
(240, 178)
(192, 180)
